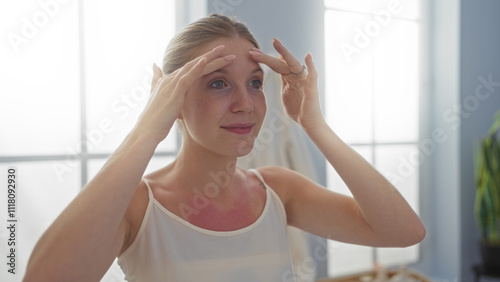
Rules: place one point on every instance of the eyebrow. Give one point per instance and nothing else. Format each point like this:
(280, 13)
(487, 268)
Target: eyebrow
(257, 69)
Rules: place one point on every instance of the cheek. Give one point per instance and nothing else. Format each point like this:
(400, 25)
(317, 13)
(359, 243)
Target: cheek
(260, 105)
(198, 111)
(195, 102)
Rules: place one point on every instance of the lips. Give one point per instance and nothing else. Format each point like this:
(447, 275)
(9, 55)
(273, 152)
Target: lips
(239, 128)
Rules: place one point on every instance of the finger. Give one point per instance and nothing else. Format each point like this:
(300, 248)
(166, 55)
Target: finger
(218, 64)
(157, 73)
(311, 68)
(209, 56)
(294, 64)
(214, 53)
(187, 79)
(275, 64)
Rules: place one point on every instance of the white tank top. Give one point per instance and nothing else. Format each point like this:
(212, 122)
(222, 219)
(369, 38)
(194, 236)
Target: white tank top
(168, 248)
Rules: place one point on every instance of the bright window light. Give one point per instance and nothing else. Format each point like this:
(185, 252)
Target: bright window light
(51, 94)
(373, 61)
(39, 112)
(120, 49)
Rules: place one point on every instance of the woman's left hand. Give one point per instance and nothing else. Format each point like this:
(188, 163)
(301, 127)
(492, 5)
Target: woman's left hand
(299, 89)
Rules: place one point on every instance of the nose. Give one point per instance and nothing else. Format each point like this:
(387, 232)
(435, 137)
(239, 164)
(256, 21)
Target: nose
(242, 100)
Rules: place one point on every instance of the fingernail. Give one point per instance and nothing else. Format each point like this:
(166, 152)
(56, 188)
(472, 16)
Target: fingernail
(256, 49)
(254, 53)
(218, 48)
(156, 68)
(276, 40)
(229, 58)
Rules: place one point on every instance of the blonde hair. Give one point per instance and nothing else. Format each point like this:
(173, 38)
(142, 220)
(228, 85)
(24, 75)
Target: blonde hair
(185, 44)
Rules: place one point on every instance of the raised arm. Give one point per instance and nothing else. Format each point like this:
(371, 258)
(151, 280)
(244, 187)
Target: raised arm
(377, 215)
(83, 241)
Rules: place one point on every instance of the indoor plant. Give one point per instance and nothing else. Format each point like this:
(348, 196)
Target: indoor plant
(487, 202)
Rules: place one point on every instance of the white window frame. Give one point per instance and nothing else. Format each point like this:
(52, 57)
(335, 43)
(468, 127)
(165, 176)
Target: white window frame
(371, 256)
(80, 159)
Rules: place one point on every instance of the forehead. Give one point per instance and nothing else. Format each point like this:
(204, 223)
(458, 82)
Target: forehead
(234, 46)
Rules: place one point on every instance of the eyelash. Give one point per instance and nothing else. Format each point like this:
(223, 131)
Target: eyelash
(212, 85)
(260, 83)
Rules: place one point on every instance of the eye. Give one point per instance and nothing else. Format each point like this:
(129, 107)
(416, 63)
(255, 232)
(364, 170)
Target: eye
(218, 84)
(256, 84)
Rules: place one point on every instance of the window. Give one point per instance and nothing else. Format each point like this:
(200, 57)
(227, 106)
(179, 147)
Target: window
(76, 75)
(373, 63)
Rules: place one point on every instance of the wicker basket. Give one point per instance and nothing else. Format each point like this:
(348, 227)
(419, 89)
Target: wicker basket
(371, 274)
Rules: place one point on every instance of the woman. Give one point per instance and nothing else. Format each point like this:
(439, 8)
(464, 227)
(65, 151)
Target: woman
(201, 218)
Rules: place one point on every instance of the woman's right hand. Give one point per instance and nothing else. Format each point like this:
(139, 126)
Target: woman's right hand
(168, 92)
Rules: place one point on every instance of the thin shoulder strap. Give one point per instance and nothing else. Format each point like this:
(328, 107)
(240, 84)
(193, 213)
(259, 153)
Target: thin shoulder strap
(272, 193)
(150, 192)
(259, 176)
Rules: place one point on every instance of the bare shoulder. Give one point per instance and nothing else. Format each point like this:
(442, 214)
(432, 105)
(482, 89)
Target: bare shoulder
(285, 182)
(280, 175)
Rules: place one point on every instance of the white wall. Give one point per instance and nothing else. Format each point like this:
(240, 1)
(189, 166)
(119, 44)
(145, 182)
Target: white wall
(442, 253)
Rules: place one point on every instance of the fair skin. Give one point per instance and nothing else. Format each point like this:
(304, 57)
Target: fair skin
(220, 101)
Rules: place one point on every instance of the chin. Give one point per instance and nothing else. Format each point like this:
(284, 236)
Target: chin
(244, 148)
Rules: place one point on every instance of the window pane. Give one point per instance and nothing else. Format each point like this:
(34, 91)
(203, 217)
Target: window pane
(364, 6)
(372, 50)
(349, 83)
(41, 197)
(156, 163)
(397, 257)
(396, 83)
(345, 259)
(400, 164)
(334, 182)
(120, 51)
(405, 9)
(39, 112)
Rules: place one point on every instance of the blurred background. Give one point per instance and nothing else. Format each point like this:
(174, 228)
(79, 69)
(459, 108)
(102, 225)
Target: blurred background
(399, 82)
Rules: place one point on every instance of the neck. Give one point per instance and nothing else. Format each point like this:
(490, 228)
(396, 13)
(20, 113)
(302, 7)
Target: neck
(205, 170)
